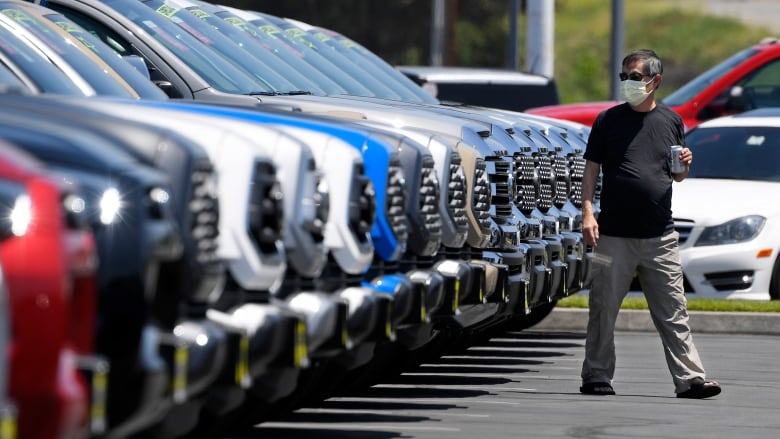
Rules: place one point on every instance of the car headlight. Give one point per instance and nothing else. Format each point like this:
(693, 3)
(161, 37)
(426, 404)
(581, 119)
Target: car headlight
(21, 215)
(731, 232)
(110, 205)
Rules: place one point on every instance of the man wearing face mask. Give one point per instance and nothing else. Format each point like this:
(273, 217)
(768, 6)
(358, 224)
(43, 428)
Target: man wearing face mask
(629, 145)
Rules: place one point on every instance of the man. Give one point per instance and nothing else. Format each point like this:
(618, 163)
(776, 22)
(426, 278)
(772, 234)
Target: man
(630, 145)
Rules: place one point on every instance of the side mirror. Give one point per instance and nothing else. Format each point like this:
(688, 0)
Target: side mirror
(734, 100)
(139, 64)
(737, 101)
(167, 88)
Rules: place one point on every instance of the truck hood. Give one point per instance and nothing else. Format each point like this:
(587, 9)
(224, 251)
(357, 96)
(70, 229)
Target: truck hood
(584, 112)
(713, 201)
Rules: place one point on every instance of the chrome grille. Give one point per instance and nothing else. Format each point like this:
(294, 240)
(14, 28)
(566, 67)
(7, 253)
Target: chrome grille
(321, 199)
(204, 209)
(396, 200)
(576, 174)
(562, 181)
(546, 181)
(480, 196)
(362, 205)
(526, 183)
(456, 192)
(501, 182)
(429, 198)
(265, 211)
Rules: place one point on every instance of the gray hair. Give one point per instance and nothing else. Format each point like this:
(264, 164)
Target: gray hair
(649, 59)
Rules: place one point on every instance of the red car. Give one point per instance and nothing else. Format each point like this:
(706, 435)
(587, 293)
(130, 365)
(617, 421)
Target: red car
(747, 80)
(49, 264)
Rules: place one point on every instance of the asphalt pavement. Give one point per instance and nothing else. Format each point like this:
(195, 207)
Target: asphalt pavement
(710, 322)
(525, 385)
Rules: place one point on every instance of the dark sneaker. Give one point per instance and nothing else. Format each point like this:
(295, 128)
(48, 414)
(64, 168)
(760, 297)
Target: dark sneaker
(597, 389)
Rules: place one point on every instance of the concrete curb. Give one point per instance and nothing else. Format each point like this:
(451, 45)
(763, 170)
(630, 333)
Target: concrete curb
(576, 319)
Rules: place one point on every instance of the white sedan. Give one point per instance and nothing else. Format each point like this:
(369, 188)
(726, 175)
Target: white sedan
(728, 209)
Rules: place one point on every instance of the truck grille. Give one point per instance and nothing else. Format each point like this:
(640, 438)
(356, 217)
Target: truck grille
(362, 207)
(480, 196)
(501, 182)
(562, 182)
(204, 209)
(526, 183)
(395, 204)
(321, 199)
(576, 174)
(546, 180)
(456, 192)
(265, 211)
(429, 198)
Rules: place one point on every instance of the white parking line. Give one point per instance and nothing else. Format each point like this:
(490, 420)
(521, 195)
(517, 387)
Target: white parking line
(350, 426)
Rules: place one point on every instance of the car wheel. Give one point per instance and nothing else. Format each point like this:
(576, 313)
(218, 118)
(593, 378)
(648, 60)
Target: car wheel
(774, 282)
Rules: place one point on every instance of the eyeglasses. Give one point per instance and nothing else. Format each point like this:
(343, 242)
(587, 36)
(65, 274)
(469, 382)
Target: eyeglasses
(634, 76)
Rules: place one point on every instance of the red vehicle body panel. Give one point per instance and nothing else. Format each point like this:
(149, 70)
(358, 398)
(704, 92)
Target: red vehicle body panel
(583, 112)
(711, 97)
(49, 275)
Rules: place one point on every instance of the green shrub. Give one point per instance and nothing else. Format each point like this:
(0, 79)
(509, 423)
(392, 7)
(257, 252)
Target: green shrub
(688, 41)
(694, 304)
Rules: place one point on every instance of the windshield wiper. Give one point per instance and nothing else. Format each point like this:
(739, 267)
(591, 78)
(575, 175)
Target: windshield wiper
(298, 92)
(264, 93)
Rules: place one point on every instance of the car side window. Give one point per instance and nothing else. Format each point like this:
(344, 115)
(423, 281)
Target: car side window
(762, 87)
(121, 45)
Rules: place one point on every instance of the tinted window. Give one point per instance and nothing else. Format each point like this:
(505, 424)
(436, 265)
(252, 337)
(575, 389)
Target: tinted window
(761, 88)
(100, 76)
(516, 97)
(212, 68)
(695, 86)
(45, 75)
(745, 153)
(145, 88)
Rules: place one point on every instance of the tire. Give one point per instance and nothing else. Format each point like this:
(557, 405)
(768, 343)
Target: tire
(774, 282)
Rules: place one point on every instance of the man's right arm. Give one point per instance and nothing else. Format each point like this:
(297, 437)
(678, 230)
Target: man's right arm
(590, 227)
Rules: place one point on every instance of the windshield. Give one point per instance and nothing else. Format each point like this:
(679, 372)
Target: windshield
(210, 66)
(143, 86)
(100, 76)
(317, 61)
(699, 83)
(9, 81)
(368, 60)
(338, 65)
(33, 64)
(284, 54)
(743, 152)
(284, 79)
(219, 43)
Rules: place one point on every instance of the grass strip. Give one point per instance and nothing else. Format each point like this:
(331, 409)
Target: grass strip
(694, 304)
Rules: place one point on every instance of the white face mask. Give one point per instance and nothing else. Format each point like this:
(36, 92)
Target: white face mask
(634, 92)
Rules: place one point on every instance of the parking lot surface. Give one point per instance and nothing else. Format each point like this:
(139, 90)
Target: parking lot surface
(525, 385)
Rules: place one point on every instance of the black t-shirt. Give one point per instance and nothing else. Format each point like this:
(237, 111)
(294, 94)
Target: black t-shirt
(633, 150)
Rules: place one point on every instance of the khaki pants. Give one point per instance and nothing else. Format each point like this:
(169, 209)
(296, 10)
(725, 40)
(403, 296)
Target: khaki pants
(657, 262)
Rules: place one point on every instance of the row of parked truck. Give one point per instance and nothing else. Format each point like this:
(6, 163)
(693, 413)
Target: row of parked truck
(260, 215)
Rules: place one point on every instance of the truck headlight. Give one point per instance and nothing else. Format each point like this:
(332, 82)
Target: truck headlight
(21, 215)
(110, 205)
(731, 232)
